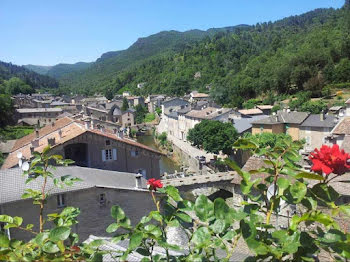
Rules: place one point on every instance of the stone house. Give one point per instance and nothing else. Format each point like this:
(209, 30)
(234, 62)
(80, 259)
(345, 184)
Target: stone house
(266, 109)
(188, 120)
(173, 105)
(283, 122)
(154, 101)
(315, 129)
(88, 147)
(42, 116)
(128, 118)
(341, 134)
(251, 112)
(195, 96)
(98, 191)
(135, 100)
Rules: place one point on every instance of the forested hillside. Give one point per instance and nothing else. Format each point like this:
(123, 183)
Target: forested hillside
(163, 44)
(31, 78)
(304, 52)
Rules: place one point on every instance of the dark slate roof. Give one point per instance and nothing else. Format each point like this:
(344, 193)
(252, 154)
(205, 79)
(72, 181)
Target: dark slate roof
(12, 182)
(284, 117)
(314, 120)
(244, 124)
(175, 102)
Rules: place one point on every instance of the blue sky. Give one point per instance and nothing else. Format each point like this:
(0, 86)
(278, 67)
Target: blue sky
(47, 32)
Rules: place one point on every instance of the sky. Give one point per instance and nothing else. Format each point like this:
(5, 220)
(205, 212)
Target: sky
(48, 32)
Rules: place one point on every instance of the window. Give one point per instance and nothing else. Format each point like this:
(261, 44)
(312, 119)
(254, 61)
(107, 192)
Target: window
(134, 153)
(109, 154)
(108, 142)
(61, 202)
(102, 199)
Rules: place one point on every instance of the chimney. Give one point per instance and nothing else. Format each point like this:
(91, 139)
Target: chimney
(322, 116)
(36, 132)
(31, 149)
(276, 118)
(120, 134)
(53, 123)
(87, 124)
(138, 180)
(60, 133)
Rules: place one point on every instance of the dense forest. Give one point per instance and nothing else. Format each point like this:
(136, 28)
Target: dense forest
(31, 78)
(306, 52)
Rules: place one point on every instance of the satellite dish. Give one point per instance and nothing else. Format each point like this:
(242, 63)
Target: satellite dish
(25, 166)
(270, 193)
(19, 155)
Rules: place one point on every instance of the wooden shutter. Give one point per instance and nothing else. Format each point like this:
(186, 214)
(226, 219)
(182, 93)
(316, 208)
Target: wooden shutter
(103, 155)
(114, 154)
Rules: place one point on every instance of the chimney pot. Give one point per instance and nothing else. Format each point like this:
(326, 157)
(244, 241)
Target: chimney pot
(322, 116)
(138, 180)
(37, 133)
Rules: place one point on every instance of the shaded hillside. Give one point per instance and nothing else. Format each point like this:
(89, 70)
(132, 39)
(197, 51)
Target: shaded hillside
(60, 70)
(38, 69)
(33, 79)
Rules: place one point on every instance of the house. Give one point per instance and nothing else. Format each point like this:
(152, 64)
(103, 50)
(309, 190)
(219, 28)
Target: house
(243, 123)
(88, 147)
(154, 101)
(173, 105)
(135, 100)
(251, 112)
(195, 96)
(265, 108)
(336, 111)
(282, 122)
(98, 191)
(187, 120)
(42, 116)
(341, 134)
(315, 129)
(128, 118)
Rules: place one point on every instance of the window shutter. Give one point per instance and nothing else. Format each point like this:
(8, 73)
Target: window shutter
(114, 154)
(103, 155)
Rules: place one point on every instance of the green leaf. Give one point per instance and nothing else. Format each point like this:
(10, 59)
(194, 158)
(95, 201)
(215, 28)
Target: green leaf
(204, 208)
(59, 233)
(50, 247)
(333, 236)
(156, 216)
(184, 217)
(282, 183)
(325, 192)
(4, 241)
(185, 205)
(6, 219)
(219, 226)
(229, 235)
(96, 243)
(173, 193)
(298, 191)
(117, 213)
(112, 228)
(17, 221)
(312, 176)
(201, 236)
(154, 230)
(245, 144)
(135, 240)
(221, 209)
(41, 238)
(345, 209)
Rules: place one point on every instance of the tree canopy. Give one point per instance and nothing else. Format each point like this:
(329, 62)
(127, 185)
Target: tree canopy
(213, 136)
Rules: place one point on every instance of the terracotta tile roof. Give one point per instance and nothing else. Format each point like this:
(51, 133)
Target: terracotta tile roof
(347, 101)
(64, 130)
(343, 127)
(199, 95)
(264, 107)
(253, 163)
(208, 113)
(253, 111)
(60, 123)
(68, 132)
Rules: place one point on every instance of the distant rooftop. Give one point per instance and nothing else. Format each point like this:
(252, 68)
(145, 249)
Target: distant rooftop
(38, 110)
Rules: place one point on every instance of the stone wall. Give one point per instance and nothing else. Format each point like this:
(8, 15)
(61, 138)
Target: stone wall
(94, 217)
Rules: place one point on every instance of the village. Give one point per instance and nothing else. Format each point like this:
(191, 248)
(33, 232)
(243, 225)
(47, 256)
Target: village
(97, 134)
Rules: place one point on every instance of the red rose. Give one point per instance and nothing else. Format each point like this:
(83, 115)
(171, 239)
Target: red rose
(330, 160)
(154, 184)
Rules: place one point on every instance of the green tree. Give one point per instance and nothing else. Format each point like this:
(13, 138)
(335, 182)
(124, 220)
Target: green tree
(6, 110)
(213, 136)
(140, 113)
(125, 104)
(109, 94)
(15, 86)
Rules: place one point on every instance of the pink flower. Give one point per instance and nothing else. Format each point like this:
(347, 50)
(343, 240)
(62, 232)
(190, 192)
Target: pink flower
(330, 160)
(154, 184)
